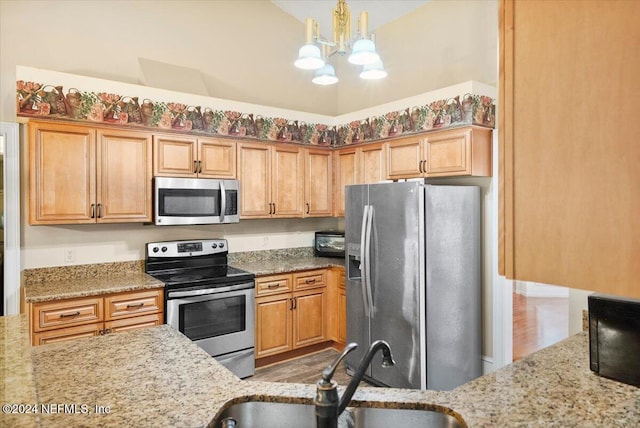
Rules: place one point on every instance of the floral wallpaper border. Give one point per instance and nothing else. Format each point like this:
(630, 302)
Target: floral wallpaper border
(37, 99)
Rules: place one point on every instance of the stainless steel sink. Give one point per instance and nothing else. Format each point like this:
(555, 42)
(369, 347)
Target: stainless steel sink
(259, 414)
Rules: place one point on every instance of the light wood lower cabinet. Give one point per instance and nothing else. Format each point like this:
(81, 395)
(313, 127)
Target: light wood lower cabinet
(290, 311)
(69, 319)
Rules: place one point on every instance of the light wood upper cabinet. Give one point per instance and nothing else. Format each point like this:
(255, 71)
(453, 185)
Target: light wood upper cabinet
(287, 181)
(451, 152)
(82, 175)
(124, 177)
(405, 157)
(271, 179)
(190, 157)
(318, 183)
(346, 173)
(254, 172)
(569, 152)
(372, 160)
(62, 174)
(217, 158)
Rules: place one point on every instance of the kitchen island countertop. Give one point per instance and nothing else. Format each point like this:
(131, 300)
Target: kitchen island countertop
(157, 377)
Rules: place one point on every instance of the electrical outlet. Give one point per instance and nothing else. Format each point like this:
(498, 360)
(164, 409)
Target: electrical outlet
(69, 255)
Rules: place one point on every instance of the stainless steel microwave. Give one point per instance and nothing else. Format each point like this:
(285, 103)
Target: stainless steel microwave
(195, 201)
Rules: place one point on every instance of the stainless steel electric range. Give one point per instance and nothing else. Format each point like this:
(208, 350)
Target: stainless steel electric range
(207, 300)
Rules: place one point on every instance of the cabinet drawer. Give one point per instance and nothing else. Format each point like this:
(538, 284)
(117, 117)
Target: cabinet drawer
(273, 284)
(134, 323)
(66, 313)
(132, 304)
(310, 279)
(69, 333)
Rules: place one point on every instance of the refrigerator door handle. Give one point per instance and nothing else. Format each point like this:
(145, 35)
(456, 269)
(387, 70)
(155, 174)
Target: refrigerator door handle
(363, 258)
(368, 288)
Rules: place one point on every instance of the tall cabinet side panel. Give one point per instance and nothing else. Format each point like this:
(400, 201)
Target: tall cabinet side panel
(453, 284)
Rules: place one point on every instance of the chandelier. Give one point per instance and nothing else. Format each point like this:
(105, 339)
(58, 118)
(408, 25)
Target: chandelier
(315, 53)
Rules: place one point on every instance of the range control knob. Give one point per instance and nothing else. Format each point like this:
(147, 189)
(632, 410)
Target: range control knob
(164, 249)
(156, 249)
(222, 245)
(214, 245)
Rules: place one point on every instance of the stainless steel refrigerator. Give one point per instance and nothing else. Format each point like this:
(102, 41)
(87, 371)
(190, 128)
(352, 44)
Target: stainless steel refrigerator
(414, 280)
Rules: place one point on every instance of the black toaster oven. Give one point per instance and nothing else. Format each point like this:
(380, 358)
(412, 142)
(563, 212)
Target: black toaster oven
(614, 337)
(329, 243)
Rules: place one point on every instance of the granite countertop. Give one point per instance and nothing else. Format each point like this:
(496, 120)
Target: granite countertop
(270, 267)
(68, 282)
(271, 262)
(157, 377)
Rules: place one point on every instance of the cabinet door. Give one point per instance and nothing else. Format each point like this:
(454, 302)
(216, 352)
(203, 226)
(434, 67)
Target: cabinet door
(254, 163)
(62, 161)
(273, 324)
(69, 333)
(309, 317)
(124, 177)
(346, 174)
(373, 163)
(174, 156)
(287, 181)
(404, 158)
(217, 158)
(318, 183)
(448, 152)
(570, 196)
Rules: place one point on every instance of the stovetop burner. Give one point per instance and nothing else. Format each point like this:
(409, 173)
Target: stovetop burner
(188, 264)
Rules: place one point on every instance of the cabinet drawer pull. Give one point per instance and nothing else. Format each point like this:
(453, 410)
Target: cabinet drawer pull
(272, 286)
(135, 305)
(75, 314)
(310, 281)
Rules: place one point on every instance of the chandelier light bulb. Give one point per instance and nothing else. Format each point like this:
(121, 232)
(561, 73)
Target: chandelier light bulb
(364, 52)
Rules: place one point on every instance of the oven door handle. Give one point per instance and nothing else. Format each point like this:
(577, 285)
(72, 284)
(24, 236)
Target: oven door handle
(208, 291)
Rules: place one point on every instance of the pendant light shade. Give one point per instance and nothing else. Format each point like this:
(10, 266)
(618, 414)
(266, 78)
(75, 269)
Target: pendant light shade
(364, 52)
(309, 58)
(325, 76)
(373, 71)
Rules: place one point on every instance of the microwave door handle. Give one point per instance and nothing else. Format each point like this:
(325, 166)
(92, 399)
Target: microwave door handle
(223, 201)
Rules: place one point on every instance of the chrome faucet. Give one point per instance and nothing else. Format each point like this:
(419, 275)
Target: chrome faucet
(328, 405)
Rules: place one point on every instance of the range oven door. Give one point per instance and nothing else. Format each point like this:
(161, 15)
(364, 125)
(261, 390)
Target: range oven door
(219, 320)
(195, 201)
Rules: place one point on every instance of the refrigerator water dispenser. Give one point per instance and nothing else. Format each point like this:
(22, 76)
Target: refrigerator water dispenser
(353, 261)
